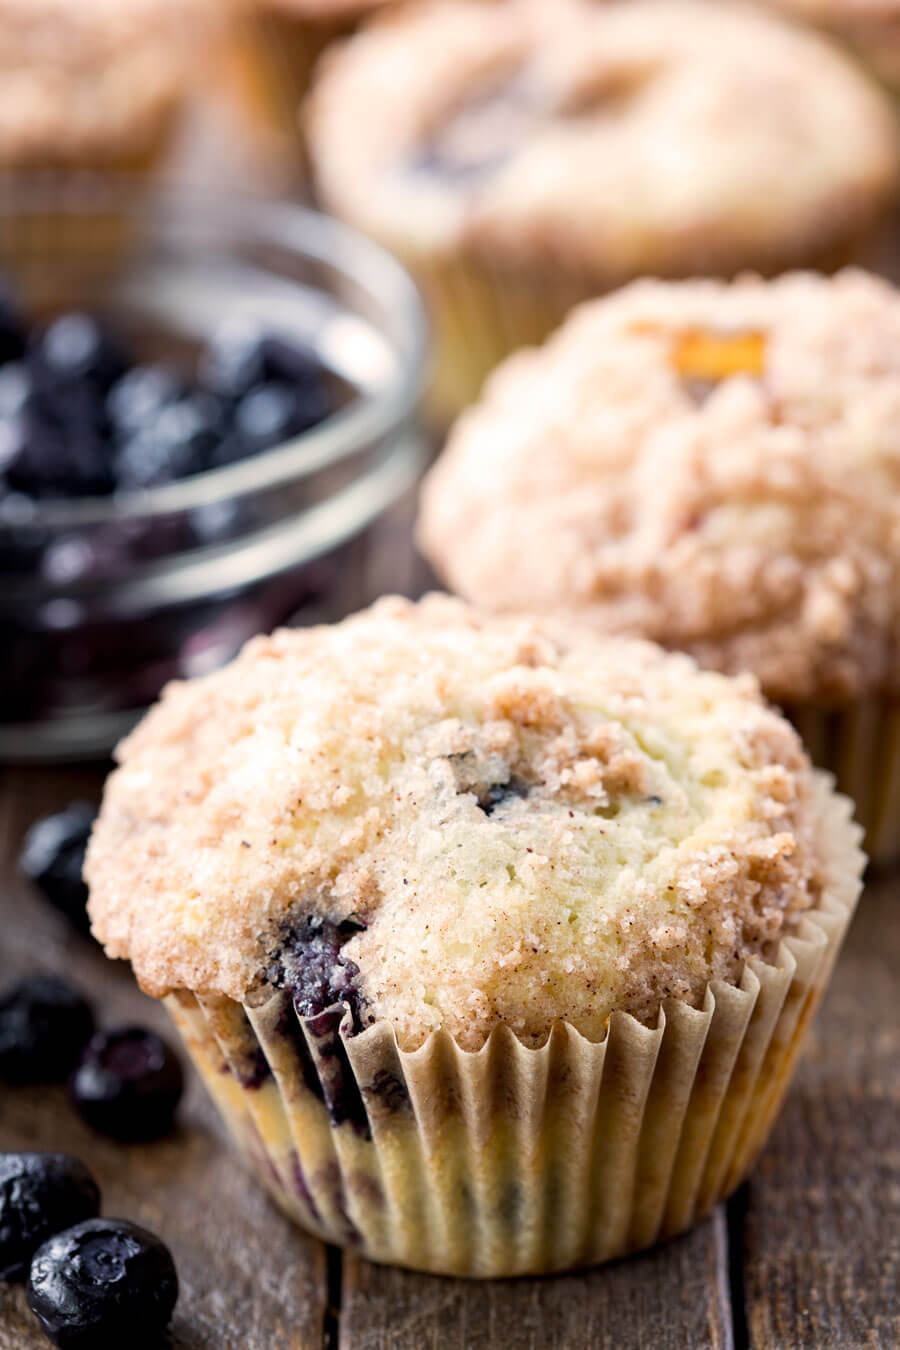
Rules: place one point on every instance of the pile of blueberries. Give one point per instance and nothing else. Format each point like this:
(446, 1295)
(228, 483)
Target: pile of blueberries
(79, 417)
(91, 1281)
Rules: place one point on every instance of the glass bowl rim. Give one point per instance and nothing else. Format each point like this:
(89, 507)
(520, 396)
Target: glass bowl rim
(307, 233)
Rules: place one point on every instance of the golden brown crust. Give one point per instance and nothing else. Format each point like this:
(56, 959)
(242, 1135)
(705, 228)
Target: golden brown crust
(662, 136)
(752, 519)
(533, 823)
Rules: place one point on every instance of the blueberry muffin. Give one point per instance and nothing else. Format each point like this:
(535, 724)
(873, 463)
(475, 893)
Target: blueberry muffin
(95, 84)
(521, 156)
(465, 921)
(716, 467)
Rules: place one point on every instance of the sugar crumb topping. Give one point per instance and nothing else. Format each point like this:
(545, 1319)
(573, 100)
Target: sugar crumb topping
(716, 467)
(522, 822)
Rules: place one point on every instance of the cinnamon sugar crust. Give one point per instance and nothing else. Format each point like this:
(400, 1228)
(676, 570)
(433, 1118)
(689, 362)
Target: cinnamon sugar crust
(663, 136)
(517, 822)
(716, 467)
(92, 78)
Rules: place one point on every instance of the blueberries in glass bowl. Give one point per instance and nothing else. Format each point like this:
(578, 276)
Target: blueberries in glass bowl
(81, 416)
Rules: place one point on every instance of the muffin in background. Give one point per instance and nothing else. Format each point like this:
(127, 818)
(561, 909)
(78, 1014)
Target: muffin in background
(94, 84)
(495, 941)
(716, 467)
(523, 156)
(869, 28)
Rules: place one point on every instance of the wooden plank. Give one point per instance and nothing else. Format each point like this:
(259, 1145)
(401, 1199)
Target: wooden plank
(222, 1229)
(674, 1298)
(821, 1231)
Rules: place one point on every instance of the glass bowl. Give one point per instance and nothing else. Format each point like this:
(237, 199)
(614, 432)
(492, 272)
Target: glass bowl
(102, 600)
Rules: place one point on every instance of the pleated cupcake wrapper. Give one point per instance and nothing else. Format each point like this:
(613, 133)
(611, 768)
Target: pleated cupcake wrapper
(481, 313)
(513, 1160)
(288, 48)
(860, 745)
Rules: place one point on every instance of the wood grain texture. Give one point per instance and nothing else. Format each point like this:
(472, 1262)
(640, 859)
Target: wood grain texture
(820, 1241)
(249, 1279)
(675, 1298)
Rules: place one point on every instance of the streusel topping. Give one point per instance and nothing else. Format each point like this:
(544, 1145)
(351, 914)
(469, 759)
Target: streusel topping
(664, 136)
(496, 821)
(715, 467)
(91, 78)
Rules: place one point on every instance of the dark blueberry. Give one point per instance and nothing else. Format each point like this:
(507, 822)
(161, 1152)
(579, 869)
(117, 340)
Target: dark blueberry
(291, 362)
(140, 395)
(52, 460)
(40, 1194)
(128, 1084)
(234, 359)
(77, 347)
(231, 449)
(480, 135)
(72, 558)
(13, 332)
(53, 858)
(102, 1285)
(498, 794)
(310, 965)
(310, 381)
(16, 389)
(44, 1026)
(268, 415)
(13, 443)
(174, 445)
(217, 521)
(21, 542)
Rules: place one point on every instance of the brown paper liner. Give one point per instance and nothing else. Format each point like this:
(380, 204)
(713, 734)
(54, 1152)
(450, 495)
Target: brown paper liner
(859, 744)
(285, 49)
(481, 314)
(514, 1160)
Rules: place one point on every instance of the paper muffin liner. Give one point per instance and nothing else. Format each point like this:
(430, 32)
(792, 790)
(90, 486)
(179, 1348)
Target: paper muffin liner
(287, 48)
(481, 314)
(512, 1160)
(859, 743)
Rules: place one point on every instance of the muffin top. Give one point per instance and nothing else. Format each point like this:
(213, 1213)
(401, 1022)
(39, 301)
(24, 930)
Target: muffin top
(713, 466)
(90, 78)
(451, 821)
(669, 136)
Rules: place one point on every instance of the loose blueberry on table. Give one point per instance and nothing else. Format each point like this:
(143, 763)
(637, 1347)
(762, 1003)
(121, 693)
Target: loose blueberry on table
(44, 1026)
(40, 1194)
(53, 858)
(101, 1285)
(128, 1084)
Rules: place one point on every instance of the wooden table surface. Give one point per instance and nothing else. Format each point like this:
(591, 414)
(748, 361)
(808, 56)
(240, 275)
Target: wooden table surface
(806, 1255)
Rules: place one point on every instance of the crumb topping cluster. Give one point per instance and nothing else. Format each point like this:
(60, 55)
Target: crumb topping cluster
(662, 136)
(469, 821)
(715, 467)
